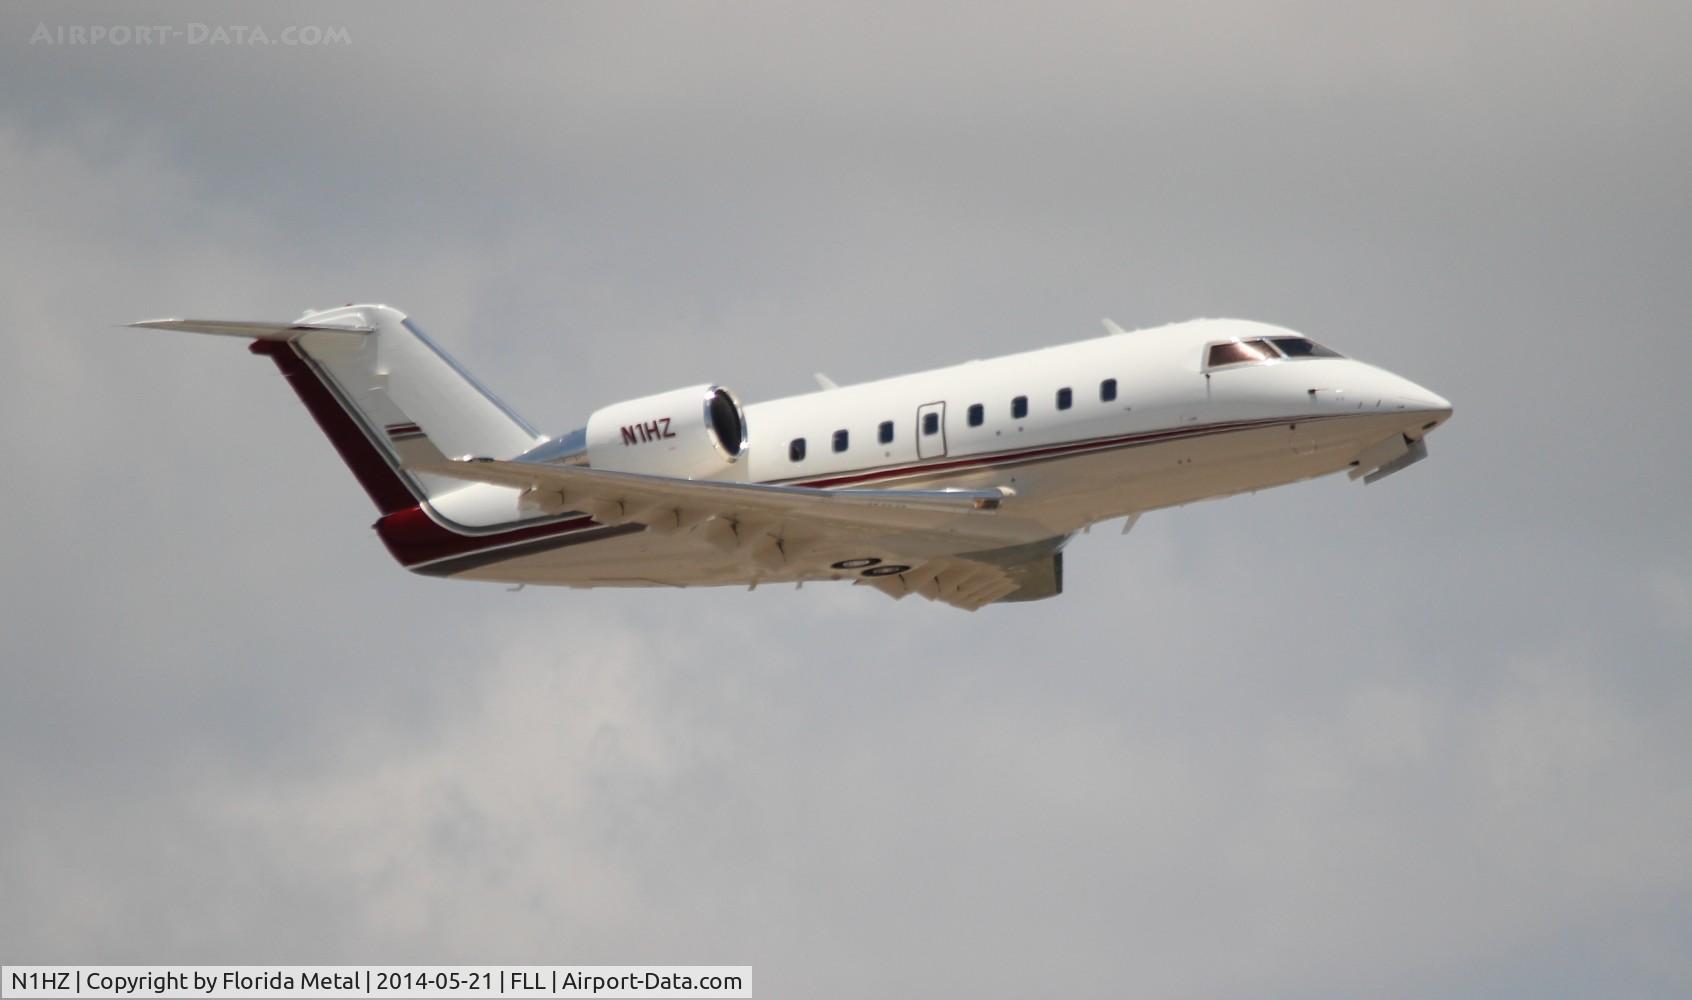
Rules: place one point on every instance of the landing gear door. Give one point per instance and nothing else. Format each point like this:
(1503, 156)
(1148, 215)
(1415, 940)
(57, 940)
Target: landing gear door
(931, 430)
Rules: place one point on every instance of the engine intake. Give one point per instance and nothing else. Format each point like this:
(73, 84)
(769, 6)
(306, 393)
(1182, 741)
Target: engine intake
(694, 433)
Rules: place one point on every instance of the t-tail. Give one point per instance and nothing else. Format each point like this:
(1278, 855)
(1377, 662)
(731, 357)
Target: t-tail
(384, 394)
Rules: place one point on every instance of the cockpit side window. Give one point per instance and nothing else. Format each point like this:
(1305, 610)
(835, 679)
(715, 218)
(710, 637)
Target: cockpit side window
(1235, 352)
(1300, 347)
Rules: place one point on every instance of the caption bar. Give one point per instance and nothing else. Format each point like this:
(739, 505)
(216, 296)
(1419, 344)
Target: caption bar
(698, 981)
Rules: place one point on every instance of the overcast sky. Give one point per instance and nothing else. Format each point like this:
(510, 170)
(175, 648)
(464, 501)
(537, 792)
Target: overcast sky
(1428, 737)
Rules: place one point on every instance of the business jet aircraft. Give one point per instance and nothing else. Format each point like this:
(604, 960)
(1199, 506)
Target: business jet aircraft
(961, 484)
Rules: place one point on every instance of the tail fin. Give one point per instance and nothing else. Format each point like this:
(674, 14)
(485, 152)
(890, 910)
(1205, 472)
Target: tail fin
(384, 395)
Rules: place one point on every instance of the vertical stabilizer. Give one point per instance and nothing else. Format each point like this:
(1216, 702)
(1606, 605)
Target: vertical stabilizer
(384, 394)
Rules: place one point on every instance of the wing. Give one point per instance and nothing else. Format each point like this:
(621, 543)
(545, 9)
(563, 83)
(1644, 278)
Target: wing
(635, 492)
(929, 542)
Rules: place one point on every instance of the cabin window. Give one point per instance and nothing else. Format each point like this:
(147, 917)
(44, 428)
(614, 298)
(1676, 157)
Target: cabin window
(796, 450)
(1065, 398)
(977, 414)
(1019, 407)
(841, 440)
(931, 423)
(1107, 391)
(885, 433)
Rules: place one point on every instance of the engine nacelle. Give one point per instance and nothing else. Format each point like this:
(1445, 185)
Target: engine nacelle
(695, 433)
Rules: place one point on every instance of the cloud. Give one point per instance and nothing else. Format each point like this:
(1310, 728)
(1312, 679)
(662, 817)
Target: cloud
(1420, 737)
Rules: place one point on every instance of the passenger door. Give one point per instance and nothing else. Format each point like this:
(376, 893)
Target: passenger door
(931, 430)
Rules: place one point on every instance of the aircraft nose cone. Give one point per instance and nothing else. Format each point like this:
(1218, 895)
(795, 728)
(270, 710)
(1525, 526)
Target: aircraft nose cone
(1432, 402)
(1407, 395)
(1426, 409)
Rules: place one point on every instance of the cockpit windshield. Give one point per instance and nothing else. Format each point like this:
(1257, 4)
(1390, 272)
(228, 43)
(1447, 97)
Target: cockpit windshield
(1239, 352)
(1301, 347)
(1257, 351)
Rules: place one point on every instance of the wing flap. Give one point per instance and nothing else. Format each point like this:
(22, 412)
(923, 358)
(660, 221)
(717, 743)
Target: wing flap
(974, 580)
(962, 583)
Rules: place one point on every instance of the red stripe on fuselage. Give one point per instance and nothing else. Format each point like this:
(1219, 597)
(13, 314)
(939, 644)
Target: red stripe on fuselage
(1002, 458)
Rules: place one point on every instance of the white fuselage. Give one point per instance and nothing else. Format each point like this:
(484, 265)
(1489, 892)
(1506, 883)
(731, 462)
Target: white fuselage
(1177, 430)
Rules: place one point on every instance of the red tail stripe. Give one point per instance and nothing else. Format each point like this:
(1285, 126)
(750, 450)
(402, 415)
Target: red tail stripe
(386, 489)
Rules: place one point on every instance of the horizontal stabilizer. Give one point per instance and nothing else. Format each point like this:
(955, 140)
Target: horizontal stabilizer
(243, 328)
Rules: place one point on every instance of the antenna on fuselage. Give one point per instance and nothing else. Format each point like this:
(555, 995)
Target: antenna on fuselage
(1111, 327)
